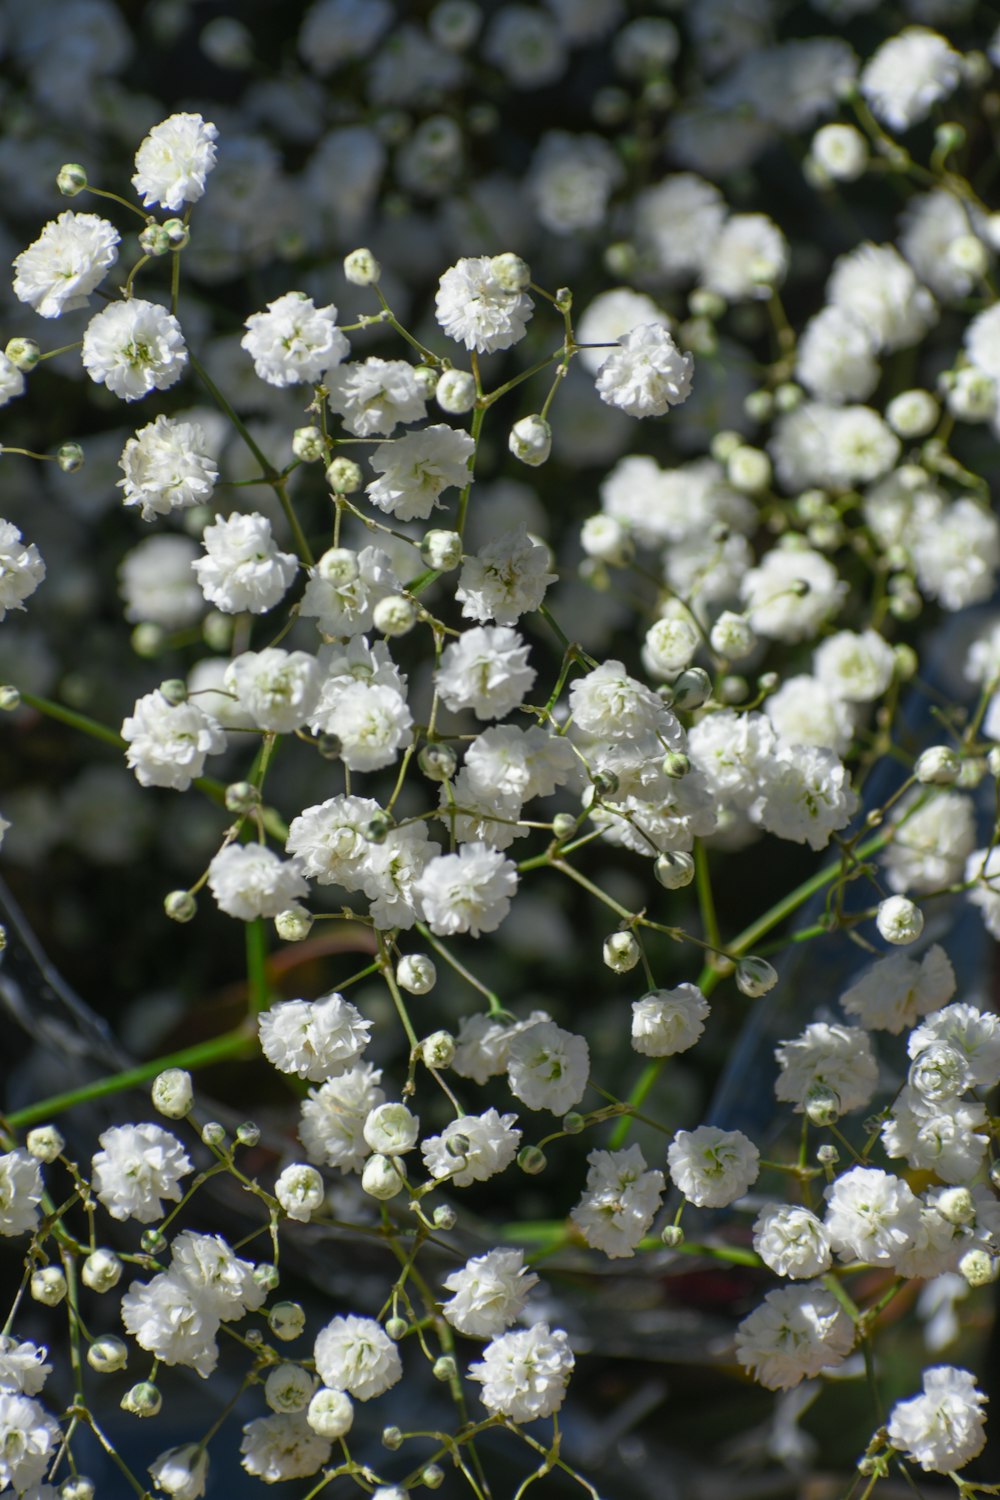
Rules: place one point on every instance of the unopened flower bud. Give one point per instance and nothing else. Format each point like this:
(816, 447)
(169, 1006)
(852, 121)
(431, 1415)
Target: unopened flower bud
(840, 151)
(441, 550)
(426, 377)
(143, 1400)
(827, 1155)
(361, 268)
(248, 1133)
(154, 240)
(48, 1285)
(748, 469)
(703, 303)
(438, 761)
(755, 976)
(937, 766)
(308, 445)
(899, 920)
(691, 689)
(338, 565)
(605, 783)
(957, 1205)
(173, 1093)
(913, 414)
(69, 457)
(378, 828)
(45, 1143)
(71, 179)
(432, 1476)
(532, 1160)
(978, 1267)
(10, 698)
(606, 539)
(531, 440)
(672, 1236)
(512, 273)
(416, 974)
(621, 952)
(456, 392)
(294, 924)
(266, 1276)
(382, 1177)
(153, 1241)
(23, 354)
(392, 1437)
(732, 636)
(180, 906)
(564, 825)
(673, 869)
(213, 1134)
(396, 1328)
(445, 1217)
(330, 1413)
(344, 477)
(394, 615)
(822, 1104)
(286, 1320)
(77, 1487)
(242, 797)
(107, 1354)
(438, 1050)
(101, 1271)
(676, 764)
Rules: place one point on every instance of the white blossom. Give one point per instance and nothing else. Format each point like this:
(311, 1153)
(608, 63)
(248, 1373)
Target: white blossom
(524, 1374)
(167, 467)
(137, 1168)
(620, 1201)
(133, 348)
(356, 1355)
(712, 1167)
(168, 743)
(294, 342)
(242, 568)
(314, 1039)
(488, 1293)
(794, 1334)
(173, 161)
(249, 881)
(647, 375)
(547, 1067)
(21, 568)
(70, 258)
(945, 1427)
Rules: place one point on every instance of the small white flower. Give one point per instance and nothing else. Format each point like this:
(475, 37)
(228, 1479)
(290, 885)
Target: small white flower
(294, 342)
(21, 1189)
(908, 75)
(314, 1039)
(70, 258)
(647, 375)
(375, 395)
(168, 743)
(524, 1375)
(473, 1149)
(666, 1022)
(548, 1068)
(489, 1293)
(505, 579)
(712, 1167)
(794, 1334)
(277, 688)
(477, 310)
(166, 468)
(283, 1446)
(417, 467)
(242, 568)
(173, 161)
(138, 1167)
(249, 881)
(28, 1436)
(871, 1216)
(486, 670)
(21, 568)
(899, 920)
(943, 1429)
(356, 1355)
(620, 1201)
(300, 1191)
(133, 348)
(470, 891)
(791, 1241)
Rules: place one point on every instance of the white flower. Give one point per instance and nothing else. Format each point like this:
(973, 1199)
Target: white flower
(356, 1355)
(21, 1190)
(747, 259)
(277, 688)
(391, 875)
(791, 1241)
(805, 712)
(372, 723)
(670, 645)
(524, 1374)
(610, 315)
(22, 1366)
(470, 891)
(619, 1203)
(712, 1167)
(835, 357)
(473, 1149)
(173, 161)
(137, 1168)
(168, 743)
(899, 920)
(477, 310)
(314, 1039)
(283, 1446)
(830, 1057)
(908, 75)
(571, 179)
(28, 1436)
(857, 667)
(794, 1334)
(489, 1293)
(300, 1191)
(416, 468)
(11, 381)
(676, 222)
(345, 606)
(505, 579)
(156, 582)
(71, 257)
(333, 1118)
(133, 348)
(930, 844)
(294, 342)
(871, 1216)
(248, 881)
(666, 1022)
(895, 991)
(791, 593)
(548, 1068)
(166, 1317)
(936, 1135)
(945, 1428)
(647, 375)
(807, 796)
(21, 568)
(181, 1472)
(392, 1129)
(875, 286)
(167, 467)
(242, 568)
(956, 552)
(732, 751)
(330, 842)
(610, 704)
(486, 670)
(222, 1283)
(975, 1033)
(375, 395)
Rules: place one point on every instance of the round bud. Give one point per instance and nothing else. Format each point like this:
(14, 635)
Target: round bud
(286, 1320)
(266, 1276)
(621, 952)
(147, 639)
(153, 1241)
(827, 1155)
(532, 1160)
(48, 1285)
(10, 698)
(391, 1129)
(957, 1205)
(607, 540)
(432, 1476)
(899, 920)
(392, 1438)
(456, 392)
(441, 550)
(45, 1143)
(724, 444)
(748, 469)
(378, 828)
(101, 1271)
(444, 1368)
(71, 179)
(180, 906)
(344, 477)
(382, 1178)
(294, 924)
(445, 1217)
(330, 746)
(840, 151)
(531, 440)
(564, 825)
(288, 1388)
(438, 761)
(154, 240)
(788, 396)
(692, 688)
(248, 1133)
(77, 1487)
(426, 377)
(759, 406)
(143, 1400)
(300, 1191)
(732, 636)
(396, 1328)
(672, 1236)
(172, 1093)
(573, 1123)
(394, 615)
(512, 273)
(457, 1145)
(675, 764)
(254, 1338)
(438, 1050)
(174, 689)
(242, 797)
(906, 663)
(213, 1134)
(605, 783)
(69, 457)
(330, 1413)
(971, 773)
(705, 304)
(23, 354)
(308, 444)
(107, 1354)
(338, 565)
(822, 1104)
(416, 974)
(361, 268)
(913, 414)
(937, 766)
(674, 869)
(178, 233)
(755, 976)
(978, 1267)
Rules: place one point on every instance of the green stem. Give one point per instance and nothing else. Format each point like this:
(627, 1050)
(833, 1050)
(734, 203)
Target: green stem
(75, 720)
(258, 985)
